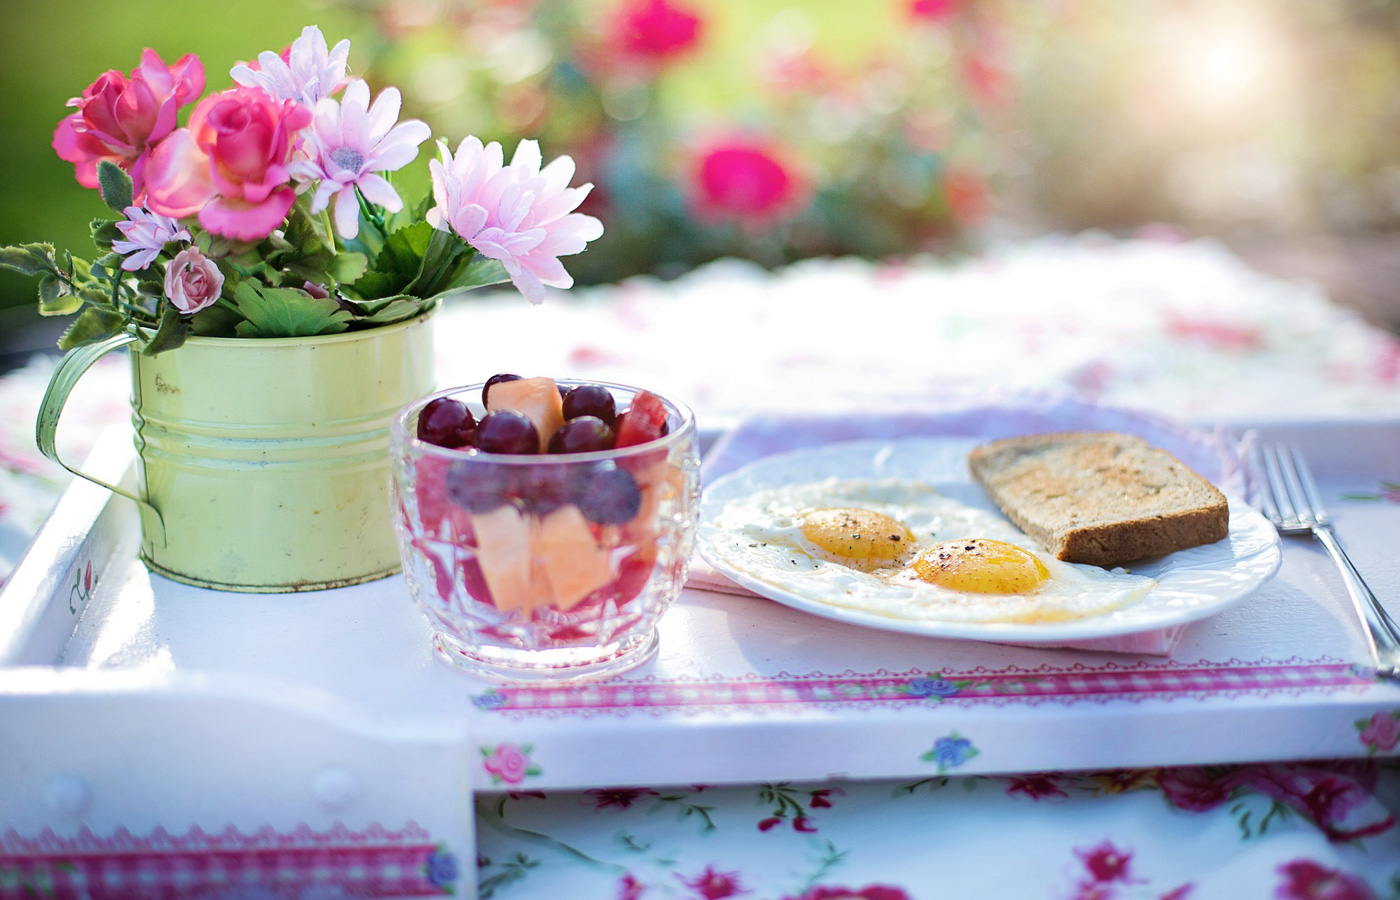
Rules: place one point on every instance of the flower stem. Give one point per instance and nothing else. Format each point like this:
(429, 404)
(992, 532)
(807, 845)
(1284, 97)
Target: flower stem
(373, 215)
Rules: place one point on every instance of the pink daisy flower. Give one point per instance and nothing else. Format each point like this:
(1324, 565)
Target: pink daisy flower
(309, 71)
(146, 235)
(347, 143)
(519, 214)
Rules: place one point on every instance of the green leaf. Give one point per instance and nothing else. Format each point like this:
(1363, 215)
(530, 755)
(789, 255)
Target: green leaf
(396, 264)
(96, 323)
(28, 259)
(215, 321)
(93, 294)
(169, 335)
(348, 266)
(114, 185)
(303, 254)
(474, 271)
(286, 312)
(439, 259)
(57, 298)
(104, 231)
(387, 312)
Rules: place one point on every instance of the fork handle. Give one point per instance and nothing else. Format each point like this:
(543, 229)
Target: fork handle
(1381, 630)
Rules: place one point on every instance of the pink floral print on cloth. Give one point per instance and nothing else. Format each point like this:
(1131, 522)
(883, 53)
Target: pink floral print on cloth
(1107, 875)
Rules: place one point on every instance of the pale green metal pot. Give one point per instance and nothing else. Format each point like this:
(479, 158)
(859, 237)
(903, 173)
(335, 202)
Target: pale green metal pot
(264, 463)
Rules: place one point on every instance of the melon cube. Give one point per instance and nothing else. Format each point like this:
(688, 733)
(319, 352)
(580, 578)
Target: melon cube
(573, 561)
(536, 398)
(505, 553)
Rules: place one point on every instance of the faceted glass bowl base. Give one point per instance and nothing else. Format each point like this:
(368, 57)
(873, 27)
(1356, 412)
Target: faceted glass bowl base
(563, 664)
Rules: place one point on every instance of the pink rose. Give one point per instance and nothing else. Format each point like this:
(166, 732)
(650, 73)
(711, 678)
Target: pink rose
(1198, 788)
(192, 281)
(934, 10)
(1383, 732)
(1338, 796)
(1307, 880)
(229, 164)
(653, 32)
(121, 119)
(508, 764)
(746, 180)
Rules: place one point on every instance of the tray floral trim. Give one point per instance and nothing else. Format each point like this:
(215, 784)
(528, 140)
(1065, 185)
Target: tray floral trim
(509, 763)
(1380, 732)
(949, 752)
(375, 862)
(918, 688)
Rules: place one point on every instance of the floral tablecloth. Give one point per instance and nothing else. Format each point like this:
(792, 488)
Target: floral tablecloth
(1286, 831)
(1181, 329)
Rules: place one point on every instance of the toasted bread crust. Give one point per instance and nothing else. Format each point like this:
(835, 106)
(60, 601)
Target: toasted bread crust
(1101, 498)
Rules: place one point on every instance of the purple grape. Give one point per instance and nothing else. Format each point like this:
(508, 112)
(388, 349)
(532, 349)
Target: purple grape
(546, 488)
(507, 431)
(590, 400)
(492, 382)
(611, 496)
(479, 487)
(582, 435)
(446, 423)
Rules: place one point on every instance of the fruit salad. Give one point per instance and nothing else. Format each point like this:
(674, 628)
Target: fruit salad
(538, 515)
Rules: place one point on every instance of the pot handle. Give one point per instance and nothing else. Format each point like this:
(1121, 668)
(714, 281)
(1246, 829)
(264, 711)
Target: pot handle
(71, 368)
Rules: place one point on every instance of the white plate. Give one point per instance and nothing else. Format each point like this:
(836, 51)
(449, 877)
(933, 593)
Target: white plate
(1191, 584)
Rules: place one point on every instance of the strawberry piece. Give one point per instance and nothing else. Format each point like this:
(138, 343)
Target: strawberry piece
(645, 420)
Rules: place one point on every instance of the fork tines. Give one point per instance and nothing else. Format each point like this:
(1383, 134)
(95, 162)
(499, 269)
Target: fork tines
(1292, 500)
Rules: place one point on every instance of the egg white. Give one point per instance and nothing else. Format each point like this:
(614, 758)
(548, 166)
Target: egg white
(761, 536)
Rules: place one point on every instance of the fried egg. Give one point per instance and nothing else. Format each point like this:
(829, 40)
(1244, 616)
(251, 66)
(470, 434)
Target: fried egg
(902, 549)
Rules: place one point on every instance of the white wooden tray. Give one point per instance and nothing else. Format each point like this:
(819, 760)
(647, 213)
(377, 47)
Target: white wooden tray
(744, 689)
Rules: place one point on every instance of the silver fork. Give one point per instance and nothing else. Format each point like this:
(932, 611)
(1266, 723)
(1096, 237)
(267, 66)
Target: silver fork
(1289, 498)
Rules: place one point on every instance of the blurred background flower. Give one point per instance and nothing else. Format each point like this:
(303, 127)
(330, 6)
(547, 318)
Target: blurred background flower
(776, 130)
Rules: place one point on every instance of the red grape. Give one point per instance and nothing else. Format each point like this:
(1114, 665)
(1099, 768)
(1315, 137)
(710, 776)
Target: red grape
(590, 400)
(446, 423)
(492, 382)
(582, 435)
(507, 431)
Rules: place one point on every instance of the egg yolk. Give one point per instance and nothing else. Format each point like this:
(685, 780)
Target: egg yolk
(858, 536)
(981, 566)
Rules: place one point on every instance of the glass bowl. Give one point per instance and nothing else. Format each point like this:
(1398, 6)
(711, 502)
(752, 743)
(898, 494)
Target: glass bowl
(550, 565)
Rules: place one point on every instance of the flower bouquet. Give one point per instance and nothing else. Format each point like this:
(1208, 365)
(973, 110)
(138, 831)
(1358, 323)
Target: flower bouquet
(272, 213)
(263, 245)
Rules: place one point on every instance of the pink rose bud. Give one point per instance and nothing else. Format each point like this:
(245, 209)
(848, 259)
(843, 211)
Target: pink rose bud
(192, 281)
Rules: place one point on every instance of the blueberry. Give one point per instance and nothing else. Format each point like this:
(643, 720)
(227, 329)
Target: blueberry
(478, 487)
(610, 496)
(546, 488)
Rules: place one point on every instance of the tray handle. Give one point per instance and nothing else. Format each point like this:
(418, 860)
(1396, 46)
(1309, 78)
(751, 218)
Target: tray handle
(72, 367)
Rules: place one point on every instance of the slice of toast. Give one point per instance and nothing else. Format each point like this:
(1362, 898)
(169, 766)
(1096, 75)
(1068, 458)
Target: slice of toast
(1101, 498)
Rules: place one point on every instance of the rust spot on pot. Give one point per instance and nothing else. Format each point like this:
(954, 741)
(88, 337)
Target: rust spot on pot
(165, 387)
